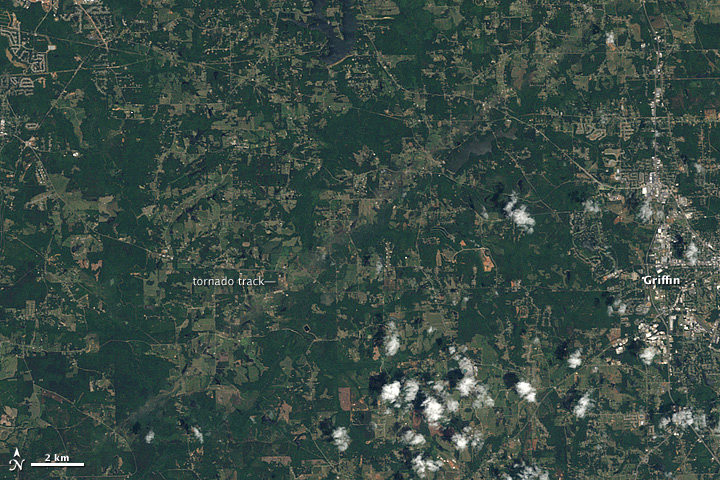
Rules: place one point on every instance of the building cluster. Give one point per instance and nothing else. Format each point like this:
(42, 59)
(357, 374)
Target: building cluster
(22, 56)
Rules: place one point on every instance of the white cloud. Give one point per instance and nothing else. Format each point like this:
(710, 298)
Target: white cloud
(476, 438)
(591, 206)
(467, 437)
(150, 437)
(691, 254)
(618, 307)
(451, 405)
(466, 386)
(523, 219)
(698, 168)
(526, 391)
(648, 354)
(646, 212)
(467, 367)
(410, 390)
(392, 340)
(390, 393)
(422, 467)
(583, 405)
(341, 439)
(575, 359)
(392, 345)
(482, 397)
(198, 434)
(378, 266)
(461, 441)
(511, 204)
(519, 216)
(439, 386)
(532, 472)
(413, 438)
(433, 410)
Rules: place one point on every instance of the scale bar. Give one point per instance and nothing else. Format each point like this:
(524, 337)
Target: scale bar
(57, 464)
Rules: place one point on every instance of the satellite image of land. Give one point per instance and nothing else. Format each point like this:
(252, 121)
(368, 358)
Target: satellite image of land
(360, 239)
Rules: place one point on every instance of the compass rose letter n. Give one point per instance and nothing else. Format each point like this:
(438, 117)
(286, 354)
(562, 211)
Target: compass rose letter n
(16, 463)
